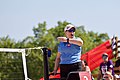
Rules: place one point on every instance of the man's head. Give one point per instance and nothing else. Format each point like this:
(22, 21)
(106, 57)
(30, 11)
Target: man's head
(107, 76)
(105, 56)
(69, 27)
(69, 30)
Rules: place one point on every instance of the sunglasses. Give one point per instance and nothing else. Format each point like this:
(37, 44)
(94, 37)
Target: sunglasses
(106, 77)
(71, 30)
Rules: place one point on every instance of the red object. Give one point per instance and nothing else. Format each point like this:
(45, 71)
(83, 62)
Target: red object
(57, 76)
(85, 75)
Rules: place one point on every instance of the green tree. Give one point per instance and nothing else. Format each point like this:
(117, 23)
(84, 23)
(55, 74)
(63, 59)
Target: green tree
(44, 37)
(9, 65)
(6, 42)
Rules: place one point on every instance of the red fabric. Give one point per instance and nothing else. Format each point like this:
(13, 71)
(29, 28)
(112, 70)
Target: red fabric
(94, 56)
(57, 76)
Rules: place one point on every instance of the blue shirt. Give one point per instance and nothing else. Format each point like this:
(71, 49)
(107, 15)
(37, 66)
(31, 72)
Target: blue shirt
(69, 54)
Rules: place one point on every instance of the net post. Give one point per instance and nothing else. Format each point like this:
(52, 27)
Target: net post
(24, 64)
(45, 59)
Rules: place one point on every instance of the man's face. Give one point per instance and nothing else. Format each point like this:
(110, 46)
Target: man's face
(70, 33)
(105, 58)
(107, 77)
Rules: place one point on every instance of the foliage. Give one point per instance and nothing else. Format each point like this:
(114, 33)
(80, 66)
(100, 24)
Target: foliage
(48, 38)
(9, 62)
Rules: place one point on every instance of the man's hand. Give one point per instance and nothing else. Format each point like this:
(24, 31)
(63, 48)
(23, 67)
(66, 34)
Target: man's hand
(54, 72)
(62, 39)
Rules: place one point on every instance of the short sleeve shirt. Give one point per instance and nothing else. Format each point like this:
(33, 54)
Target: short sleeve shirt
(104, 67)
(69, 53)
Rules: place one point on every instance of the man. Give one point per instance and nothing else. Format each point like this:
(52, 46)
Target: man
(117, 67)
(105, 66)
(69, 52)
(117, 63)
(108, 76)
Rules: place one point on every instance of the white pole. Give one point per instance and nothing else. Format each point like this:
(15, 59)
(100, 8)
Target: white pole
(23, 58)
(24, 65)
(10, 50)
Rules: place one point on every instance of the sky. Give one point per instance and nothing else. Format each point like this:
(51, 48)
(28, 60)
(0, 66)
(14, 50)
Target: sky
(18, 17)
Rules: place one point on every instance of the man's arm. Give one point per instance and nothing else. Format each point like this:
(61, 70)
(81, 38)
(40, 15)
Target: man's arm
(78, 41)
(99, 75)
(57, 61)
(110, 67)
(110, 70)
